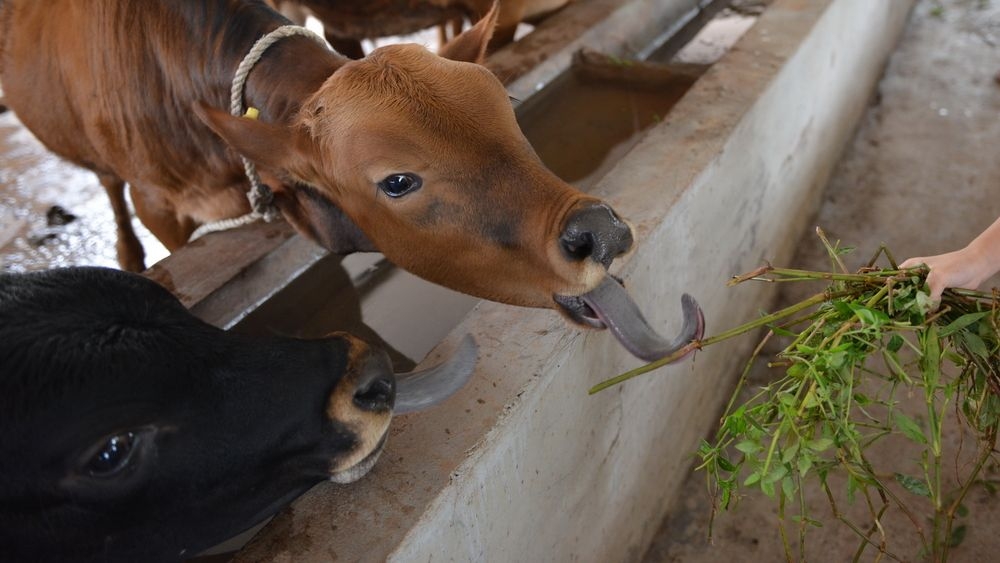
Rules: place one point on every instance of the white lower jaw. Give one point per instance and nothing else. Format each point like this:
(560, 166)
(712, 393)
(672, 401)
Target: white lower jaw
(360, 469)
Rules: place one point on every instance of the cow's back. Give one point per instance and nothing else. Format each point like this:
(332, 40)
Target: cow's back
(109, 84)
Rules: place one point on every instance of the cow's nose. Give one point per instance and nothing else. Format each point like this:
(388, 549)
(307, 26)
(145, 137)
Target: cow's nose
(595, 232)
(376, 387)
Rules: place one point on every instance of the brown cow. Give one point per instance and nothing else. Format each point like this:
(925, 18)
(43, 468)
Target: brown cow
(416, 155)
(347, 22)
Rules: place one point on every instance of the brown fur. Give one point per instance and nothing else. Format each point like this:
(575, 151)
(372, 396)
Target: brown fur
(133, 106)
(347, 22)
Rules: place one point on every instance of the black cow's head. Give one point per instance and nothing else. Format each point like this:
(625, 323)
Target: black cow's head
(129, 430)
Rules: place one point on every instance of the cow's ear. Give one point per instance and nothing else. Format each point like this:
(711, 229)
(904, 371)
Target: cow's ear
(272, 146)
(470, 46)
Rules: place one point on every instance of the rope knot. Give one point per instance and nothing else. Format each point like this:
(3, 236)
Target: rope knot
(260, 195)
(262, 201)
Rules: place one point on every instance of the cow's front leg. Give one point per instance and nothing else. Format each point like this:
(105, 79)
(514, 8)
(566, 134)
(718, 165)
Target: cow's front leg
(131, 256)
(160, 216)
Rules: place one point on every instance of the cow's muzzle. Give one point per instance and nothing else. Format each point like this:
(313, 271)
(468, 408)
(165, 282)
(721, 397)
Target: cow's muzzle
(379, 390)
(360, 469)
(379, 393)
(595, 232)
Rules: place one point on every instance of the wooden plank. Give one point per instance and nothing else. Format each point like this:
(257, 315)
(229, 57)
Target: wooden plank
(623, 28)
(554, 34)
(593, 66)
(224, 275)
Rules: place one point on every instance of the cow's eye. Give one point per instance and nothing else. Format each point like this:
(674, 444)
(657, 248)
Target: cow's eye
(396, 185)
(113, 455)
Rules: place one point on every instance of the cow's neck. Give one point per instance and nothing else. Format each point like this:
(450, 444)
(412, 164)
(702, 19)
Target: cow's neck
(287, 74)
(220, 33)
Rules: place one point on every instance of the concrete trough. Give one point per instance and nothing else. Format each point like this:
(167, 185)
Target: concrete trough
(523, 465)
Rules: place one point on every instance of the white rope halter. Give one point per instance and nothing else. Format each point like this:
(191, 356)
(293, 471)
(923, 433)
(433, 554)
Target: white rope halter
(260, 195)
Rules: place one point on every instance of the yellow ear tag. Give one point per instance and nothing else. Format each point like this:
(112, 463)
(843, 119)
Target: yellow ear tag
(251, 113)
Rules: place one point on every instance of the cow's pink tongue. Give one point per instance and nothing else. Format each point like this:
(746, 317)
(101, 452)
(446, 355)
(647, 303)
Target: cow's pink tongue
(622, 316)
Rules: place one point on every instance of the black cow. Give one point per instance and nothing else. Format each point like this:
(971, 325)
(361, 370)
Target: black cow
(132, 431)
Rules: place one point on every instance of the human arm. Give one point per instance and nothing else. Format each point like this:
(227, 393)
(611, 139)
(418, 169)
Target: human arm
(968, 267)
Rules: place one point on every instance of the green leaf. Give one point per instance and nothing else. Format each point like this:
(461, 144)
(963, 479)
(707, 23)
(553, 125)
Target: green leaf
(705, 449)
(957, 535)
(975, 345)
(804, 464)
(749, 447)
(954, 357)
(961, 322)
(753, 478)
(842, 308)
(912, 484)
(923, 301)
(819, 444)
(787, 399)
(727, 492)
(895, 343)
(836, 360)
(963, 510)
(735, 423)
(909, 428)
(767, 487)
(779, 331)
(788, 487)
(789, 453)
(725, 464)
(777, 474)
(810, 401)
(865, 315)
(805, 348)
(852, 487)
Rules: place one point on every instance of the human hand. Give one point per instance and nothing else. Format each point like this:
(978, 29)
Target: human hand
(961, 268)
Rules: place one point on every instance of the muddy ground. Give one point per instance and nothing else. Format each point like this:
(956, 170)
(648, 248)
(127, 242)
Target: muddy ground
(923, 175)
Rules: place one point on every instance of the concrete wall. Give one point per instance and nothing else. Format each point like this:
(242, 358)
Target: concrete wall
(523, 465)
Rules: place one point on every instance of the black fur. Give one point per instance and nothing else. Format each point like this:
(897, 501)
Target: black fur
(236, 425)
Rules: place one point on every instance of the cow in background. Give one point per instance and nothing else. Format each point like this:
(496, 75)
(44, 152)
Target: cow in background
(347, 22)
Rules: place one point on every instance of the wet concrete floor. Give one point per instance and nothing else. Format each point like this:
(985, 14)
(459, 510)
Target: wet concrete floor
(32, 181)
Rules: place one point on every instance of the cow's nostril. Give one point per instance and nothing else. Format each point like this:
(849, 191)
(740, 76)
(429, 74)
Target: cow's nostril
(376, 394)
(595, 232)
(577, 245)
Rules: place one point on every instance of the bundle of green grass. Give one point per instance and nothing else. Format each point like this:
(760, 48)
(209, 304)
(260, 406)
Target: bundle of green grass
(851, 349)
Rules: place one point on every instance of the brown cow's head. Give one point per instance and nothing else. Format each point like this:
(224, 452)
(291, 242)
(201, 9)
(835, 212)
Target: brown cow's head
(424, 155)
